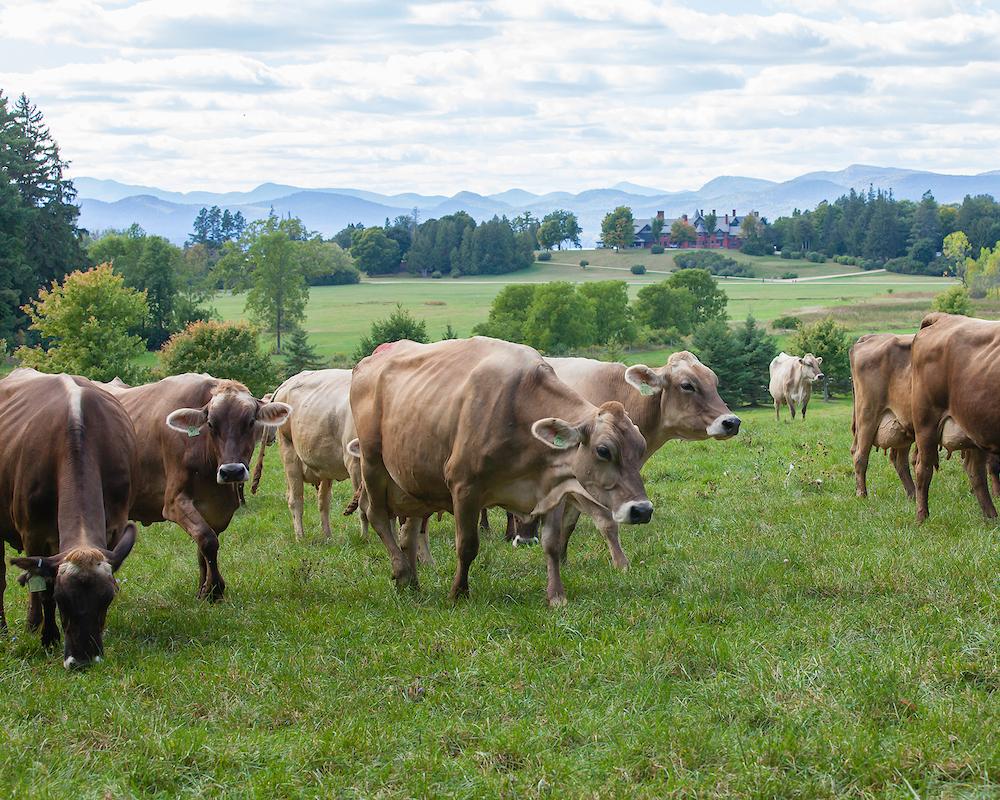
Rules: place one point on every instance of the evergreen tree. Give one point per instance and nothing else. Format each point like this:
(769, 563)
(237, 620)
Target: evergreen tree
(719, 349)
(757, 348)
(300, 355)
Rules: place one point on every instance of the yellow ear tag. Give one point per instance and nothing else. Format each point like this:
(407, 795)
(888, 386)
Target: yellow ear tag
(193, 431)
(646, 389)
(36, 583)
(558, 441)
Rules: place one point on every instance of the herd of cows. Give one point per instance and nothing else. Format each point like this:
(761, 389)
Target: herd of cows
(457, 426)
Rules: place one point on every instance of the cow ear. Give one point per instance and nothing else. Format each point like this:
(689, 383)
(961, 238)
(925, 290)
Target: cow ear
(802, 360)
(819, 359)
(273, 414)
(186, 420)
(556, 433)
(354, 448)
(644, 378)
(123, 548)
(45, 566)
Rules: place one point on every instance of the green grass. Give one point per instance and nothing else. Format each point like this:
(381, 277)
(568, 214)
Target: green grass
(776, 637)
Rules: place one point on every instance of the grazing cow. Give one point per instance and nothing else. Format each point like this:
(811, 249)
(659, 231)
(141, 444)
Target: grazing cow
(66, 477)
(314, 442)
(679, 400)
(196, 436)
(461, 425)
(791, 381)
(956, 381)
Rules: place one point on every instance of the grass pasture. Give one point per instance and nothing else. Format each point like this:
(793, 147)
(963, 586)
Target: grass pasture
(776, 637)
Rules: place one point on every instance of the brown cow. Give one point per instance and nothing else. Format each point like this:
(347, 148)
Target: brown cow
(196, 435)
(66, 467)
(679, 400)
(462, 425)
(956, 380)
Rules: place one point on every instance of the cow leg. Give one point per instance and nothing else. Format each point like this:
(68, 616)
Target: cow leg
(324, 506)
(552, 547)
(295, 479)
(570, 517)
(424, 555)
(484, 521)
(791, 407)
(993, 467)
(777, 410)
(384, 527)
(409, 543)
(466, 539)
(34, 611)
(927, 460)
(511, 531)
(181, 509)
(609, 529)
(864, 438)
(3, 589)
(900, 458)
(50, 629)
(975, 468)
(805, 405)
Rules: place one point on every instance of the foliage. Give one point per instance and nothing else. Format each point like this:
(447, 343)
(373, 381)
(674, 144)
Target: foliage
(709, 300)
(683, 233)
(982, 274)
(956, 249)
(400, 230)
(223, 350)
(584, 263)
(400, 324)
(85, 323)
(436, 244)
(508, 313)
(213, 227)
(492, 248)
(786, 322)
(715, 263)
(560, 319)
(326, 263)
(557, 227)
(612, 315)
(344, 238)
(740, 358)
(638, 269)
(954, 300)
(828, 340)
(661, 306)
(300, 355)
(618, 228)
(544, 256)
(39, 238)
(656, 249)
(374, 252)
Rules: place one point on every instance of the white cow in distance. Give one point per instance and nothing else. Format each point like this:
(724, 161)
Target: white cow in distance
(791, 382)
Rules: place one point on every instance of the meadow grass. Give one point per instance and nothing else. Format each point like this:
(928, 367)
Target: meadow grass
(775, 637)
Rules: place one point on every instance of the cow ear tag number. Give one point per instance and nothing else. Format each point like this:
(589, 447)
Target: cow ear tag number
(36, 583)
(645, 389)
(193, 431)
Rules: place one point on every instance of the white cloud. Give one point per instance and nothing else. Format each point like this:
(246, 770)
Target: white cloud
(442, 96)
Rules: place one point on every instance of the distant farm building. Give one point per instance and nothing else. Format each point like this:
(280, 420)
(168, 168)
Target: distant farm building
(726, 235)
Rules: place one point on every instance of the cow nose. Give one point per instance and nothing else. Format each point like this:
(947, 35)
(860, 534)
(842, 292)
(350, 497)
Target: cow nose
(232, 473)
(640, 513)
(731, 425)
(820, 376)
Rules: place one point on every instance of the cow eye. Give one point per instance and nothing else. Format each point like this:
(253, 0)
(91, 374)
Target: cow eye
(687, 386)
(603, 452)
(211, 426)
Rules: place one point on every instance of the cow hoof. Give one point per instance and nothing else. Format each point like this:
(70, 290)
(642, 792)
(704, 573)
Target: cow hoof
(50, 640)
(405, 580)
(213, 594)
(622, 564)
(524, 541)
(557, 601)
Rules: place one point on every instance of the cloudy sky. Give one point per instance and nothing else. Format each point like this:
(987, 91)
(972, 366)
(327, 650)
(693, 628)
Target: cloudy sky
(485, 96)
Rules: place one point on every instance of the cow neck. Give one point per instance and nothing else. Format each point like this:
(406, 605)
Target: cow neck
(80, 505)
(643, 410)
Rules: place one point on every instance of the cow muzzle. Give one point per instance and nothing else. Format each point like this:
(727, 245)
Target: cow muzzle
(233, 473)
(818, 378)
(724, 426)
(634, 513)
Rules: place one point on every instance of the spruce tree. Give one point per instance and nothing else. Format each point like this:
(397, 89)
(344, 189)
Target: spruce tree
(300, 355)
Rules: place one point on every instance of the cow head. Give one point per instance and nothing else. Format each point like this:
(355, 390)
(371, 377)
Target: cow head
(232, 422)
(83, 584)
(811, 369)
(690, 406)
(605, 452)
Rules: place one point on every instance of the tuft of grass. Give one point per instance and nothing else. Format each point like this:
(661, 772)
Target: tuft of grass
(775, 637)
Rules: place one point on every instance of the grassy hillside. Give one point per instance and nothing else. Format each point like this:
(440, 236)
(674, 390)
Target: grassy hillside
(775, 637)
(338, 316)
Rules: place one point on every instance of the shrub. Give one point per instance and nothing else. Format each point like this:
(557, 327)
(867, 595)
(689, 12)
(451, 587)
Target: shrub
(815, 258)
(400, 324)
(954, 300)
(757, 248)
(436, 273)
(904, 265)
(789, 276)
(787, 253)
(656, 249)
(638, 269)
(545, 255)
(830, 341)
(786, 323)
(223, 350)
(584, 263)
(715, 263)
(868, 263)
(85, 322)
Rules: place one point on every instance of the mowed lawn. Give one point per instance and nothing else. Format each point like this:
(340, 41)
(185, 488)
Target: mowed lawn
(337, 316)
(775, 637)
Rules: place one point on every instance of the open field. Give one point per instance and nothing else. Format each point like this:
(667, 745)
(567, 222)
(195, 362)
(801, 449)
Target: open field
(776, 636)
(338, 316)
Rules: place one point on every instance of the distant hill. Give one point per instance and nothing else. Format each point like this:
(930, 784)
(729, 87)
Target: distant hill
(110, 204)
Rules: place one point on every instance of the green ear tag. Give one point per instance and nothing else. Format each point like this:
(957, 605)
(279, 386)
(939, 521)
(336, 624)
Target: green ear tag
(193, 431)
(558, 441)
(36, 583)
(646, 389)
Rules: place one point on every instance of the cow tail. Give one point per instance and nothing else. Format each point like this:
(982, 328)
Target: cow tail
(351, 507)
(258, 470)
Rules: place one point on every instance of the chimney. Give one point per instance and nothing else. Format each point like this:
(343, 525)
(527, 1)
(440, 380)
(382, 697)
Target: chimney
(713, 212)
(659, 215)
(734, 212)
(727, 219)
(685, 217)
